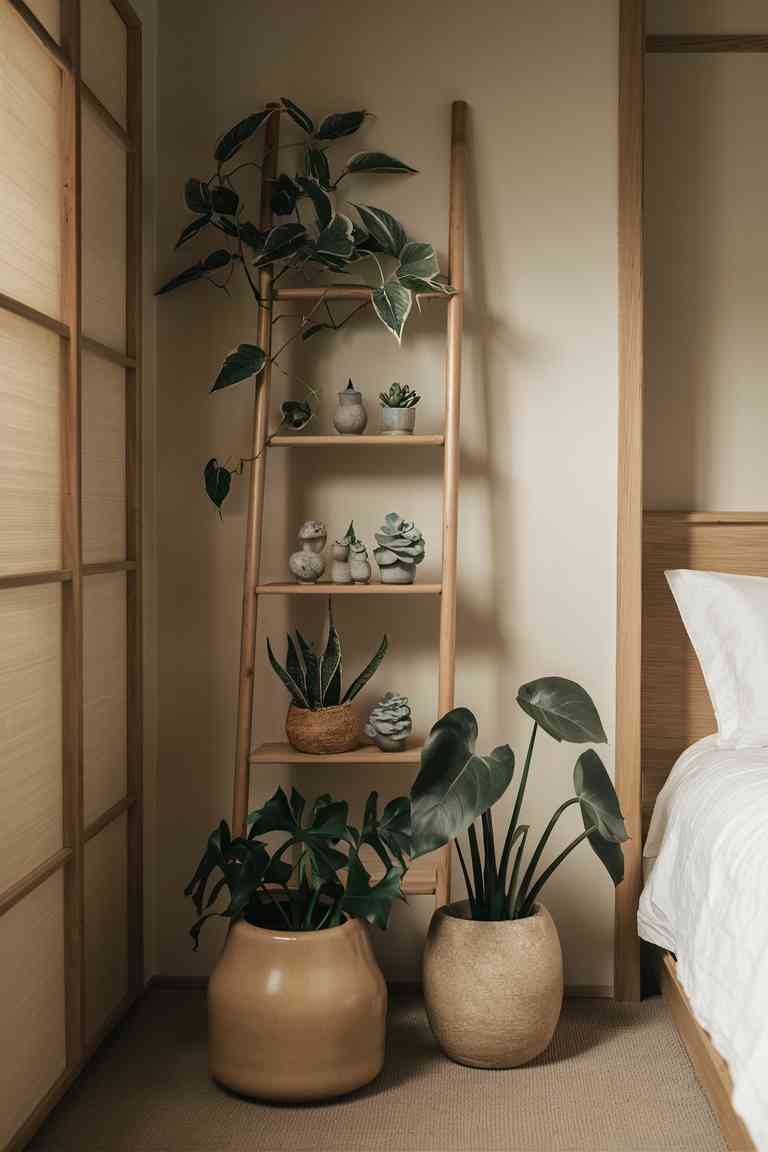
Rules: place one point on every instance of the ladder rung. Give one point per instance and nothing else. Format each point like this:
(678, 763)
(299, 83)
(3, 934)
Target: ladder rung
(326, 588)
(345, 441)
(283, 753)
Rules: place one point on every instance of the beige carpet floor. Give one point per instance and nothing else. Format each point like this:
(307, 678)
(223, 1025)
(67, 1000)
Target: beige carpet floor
(616, 1079)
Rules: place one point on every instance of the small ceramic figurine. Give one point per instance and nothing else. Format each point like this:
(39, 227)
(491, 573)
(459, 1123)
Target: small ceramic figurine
(359, 564)
(401, 548)
(340, 568)
(350, 417)
(389, 724)
(307, 565)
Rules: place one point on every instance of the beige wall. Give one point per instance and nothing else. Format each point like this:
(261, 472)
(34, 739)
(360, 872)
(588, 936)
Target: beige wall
(537, 539)
(707, 251)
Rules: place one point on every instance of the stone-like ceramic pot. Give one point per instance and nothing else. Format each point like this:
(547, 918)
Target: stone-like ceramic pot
(397, 421)
(350, 417)
(321, 731)
(493, 988)
(298, 1016)
(398, 573)
(340, 568)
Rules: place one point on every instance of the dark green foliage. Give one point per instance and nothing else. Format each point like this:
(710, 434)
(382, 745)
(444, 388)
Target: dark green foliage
(339, 124)
(324, 884)
(247, 361)
(217, 482)
(455, 787)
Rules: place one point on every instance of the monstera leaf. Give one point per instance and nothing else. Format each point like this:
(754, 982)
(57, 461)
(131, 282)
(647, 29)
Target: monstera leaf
(600, 810)
(328, 825)
(390, 835)
(454, 785)
(563, 709)
(371, 902)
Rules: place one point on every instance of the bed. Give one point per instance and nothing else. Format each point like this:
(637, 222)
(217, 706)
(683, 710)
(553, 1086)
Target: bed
(704, 818)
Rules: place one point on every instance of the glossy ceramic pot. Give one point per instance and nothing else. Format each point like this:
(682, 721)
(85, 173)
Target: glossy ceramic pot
(493, 988)
(295, 1017)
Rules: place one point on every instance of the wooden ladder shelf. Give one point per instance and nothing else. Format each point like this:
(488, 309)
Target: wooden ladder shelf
(432, 874)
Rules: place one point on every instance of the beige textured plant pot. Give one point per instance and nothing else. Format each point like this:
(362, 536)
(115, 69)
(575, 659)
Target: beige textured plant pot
(296, 1016)
(323, 731)
(493, 988)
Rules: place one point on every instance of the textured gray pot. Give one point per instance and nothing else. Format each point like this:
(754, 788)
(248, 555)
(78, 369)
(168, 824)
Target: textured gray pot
(350, 417)
(397, 421)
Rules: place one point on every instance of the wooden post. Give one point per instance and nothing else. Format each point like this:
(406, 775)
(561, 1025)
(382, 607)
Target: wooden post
(447, 674)
(630, 490)
(255, 498)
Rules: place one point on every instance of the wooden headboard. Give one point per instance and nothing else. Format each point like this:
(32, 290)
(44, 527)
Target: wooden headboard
(675, 704)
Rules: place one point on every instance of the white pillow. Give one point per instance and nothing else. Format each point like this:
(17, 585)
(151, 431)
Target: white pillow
(726, 618)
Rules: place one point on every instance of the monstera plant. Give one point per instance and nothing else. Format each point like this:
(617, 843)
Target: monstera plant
(456, 786)
(323, 885)
(319, 231)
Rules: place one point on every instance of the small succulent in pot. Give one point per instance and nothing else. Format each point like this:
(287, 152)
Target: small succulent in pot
(398, 410)
(320, 719)
(389, 724)
(401, 548)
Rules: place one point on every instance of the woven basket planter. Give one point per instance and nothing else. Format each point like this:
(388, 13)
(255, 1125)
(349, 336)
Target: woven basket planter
(323, 731)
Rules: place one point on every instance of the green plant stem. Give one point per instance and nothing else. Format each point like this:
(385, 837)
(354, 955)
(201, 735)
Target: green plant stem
(524, 778)
(477, 868)
(307, 922)
(513, 834)
(277, 904)
(467, 881)
(531, 898)
(490, 877)
(533, 864)
(511, 893)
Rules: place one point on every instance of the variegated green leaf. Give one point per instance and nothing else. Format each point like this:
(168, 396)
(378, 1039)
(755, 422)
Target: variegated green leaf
(418, 260)
(383, 227)
(247, 360)
(377, 162)
(392, 304)
(339, 124)
(320, 200)
(232, 141)
(298, 115)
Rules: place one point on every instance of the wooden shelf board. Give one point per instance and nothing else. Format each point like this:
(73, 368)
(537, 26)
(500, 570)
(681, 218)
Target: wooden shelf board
(283, 753)
(372, 441)
(326, 588)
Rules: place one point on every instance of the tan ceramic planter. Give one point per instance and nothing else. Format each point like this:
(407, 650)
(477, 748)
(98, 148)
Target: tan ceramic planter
(296, 1017)
(324, 731)
(493, 989)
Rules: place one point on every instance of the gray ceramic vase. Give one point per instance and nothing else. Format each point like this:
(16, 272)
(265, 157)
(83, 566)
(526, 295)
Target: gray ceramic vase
(350, 417)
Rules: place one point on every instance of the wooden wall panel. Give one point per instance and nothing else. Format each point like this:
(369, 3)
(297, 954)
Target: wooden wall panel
(30, 729)
(105, 56)
(32, 1015)
(103, 449)
(48, 13)
(106, 925)
(30, 446)
(31, 160)
(104, 198)
(105, 654)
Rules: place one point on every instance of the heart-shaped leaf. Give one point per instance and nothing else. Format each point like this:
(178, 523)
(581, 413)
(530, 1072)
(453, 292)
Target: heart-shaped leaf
(252, 236)
(392, 304)
(418, 260)
(283, 240)
(197, 196)
(247, 361)
(377, 162)
(563, 709)
(383, 227)
(232, 141)
(372, 902)
(193, 228)
(339, 124)
(217, 482)
(295, 413)
(597, 798)
(316, 166)
(320, 200)
(334, 245)
(296, 114)
(454, 785)
(224, 200)
(284, 193)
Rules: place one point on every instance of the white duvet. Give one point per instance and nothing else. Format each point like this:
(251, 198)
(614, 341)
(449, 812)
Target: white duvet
(706, 900)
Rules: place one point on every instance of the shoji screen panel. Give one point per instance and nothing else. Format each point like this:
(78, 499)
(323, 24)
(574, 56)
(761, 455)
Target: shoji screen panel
(70, 592)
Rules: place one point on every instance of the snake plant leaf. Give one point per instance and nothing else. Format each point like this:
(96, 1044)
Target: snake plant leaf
(454, 785)
(193, 228)
(320, 199)
(377, 162)
(233, 140)
(335, 245)
(597, 798)
(383, 227)
(339, 124)
(365, 901)
(312, 666)
(298, 115)
(316, 166)
(330, 666)
(295, 414)
(282, 241)
(299, 699)
(563, 709)
(247, 360)
(294, 668)
(392, 304)
(284, 195)
(217, 482)
(360, 681)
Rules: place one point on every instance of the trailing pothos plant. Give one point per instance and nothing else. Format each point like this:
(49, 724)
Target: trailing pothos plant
(456, 786)
(324, 884)
(316, 236)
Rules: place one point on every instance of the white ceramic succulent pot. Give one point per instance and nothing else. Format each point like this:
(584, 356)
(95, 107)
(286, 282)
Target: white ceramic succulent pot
(397, 421)
(493, 989)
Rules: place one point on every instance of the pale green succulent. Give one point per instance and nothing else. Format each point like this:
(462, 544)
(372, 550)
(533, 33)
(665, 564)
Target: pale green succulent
(400, 542)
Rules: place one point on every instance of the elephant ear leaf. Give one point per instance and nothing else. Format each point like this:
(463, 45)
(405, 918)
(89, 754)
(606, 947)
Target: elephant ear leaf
(563, 709)
(454, 785)
(600, 811)
(372, 902)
